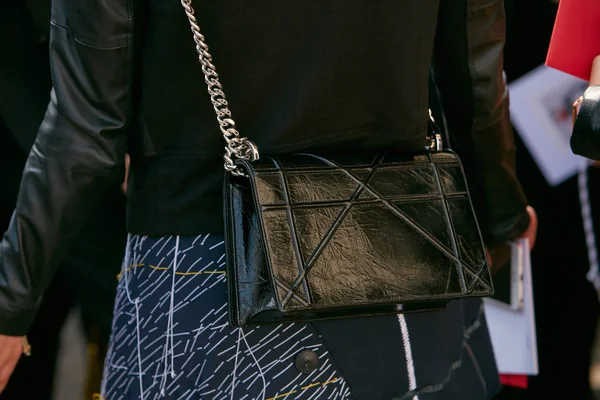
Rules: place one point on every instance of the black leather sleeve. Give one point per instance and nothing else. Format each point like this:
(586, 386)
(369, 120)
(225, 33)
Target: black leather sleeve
(468, 66)
(585, 140)
(78, 152)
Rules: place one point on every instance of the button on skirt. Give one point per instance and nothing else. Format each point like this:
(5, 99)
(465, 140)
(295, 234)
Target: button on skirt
(171, 338)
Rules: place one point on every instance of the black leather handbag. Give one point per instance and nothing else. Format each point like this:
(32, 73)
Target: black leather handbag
(311, 237)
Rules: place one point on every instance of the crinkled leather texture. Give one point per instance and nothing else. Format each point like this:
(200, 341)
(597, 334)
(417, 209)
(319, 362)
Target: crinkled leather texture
(585, 140)
(312, 237)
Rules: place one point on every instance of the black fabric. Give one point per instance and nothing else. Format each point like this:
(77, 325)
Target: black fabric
(293, 82)
(460, 367)
(312, 78)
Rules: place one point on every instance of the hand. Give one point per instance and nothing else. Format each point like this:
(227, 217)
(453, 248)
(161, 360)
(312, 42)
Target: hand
(499, 256)
(124, 184)
(11, 349)
(531, 232)
(595, 76)
(594, 81)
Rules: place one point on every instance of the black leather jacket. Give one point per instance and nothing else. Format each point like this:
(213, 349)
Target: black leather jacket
(121, 82)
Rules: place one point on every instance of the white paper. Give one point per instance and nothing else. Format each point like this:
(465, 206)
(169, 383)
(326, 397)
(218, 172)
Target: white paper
(513, 332)
(540, 106)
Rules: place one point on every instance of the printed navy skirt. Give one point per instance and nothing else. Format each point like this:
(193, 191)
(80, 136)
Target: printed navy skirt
(171, 338)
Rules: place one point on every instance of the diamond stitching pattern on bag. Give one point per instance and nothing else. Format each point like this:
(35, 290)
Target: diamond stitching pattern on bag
(473, 274)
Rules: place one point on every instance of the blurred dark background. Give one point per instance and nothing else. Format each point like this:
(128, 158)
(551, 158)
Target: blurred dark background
(566, 304)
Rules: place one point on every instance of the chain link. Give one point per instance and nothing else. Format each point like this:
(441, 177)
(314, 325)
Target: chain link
(236, 146)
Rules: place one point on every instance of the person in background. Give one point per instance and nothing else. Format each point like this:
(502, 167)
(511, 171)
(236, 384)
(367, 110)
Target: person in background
(585, 140)
(86, 279)
(301, 76)
(566, 303)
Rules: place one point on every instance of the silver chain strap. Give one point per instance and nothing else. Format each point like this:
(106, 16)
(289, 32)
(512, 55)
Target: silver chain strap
(236, 146)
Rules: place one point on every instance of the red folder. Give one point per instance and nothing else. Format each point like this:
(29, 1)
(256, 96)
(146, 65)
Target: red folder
(575, 38)
(518, 381)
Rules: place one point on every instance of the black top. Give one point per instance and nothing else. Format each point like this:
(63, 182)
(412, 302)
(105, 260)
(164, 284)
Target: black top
(298, 75)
